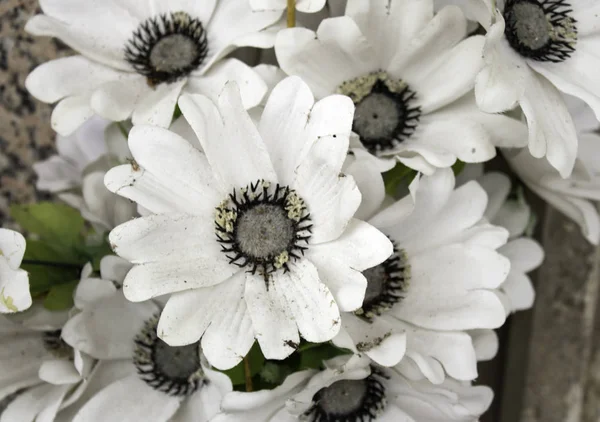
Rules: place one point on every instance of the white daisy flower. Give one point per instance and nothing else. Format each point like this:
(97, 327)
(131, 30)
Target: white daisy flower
(154, 51)
(408, 99)
(525, 254)
(255, 236)
(304, 6)
(534, 49)
(420, 301)
(14, 282)
(139, 377)
(357, 391)
(46, 373)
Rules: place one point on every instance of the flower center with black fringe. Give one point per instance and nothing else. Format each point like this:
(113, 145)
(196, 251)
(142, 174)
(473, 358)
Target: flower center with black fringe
(386, 114)
(360, 400)
(166, 48)
(262, 227)
(175, 371)
(386, 285)
(541, 30)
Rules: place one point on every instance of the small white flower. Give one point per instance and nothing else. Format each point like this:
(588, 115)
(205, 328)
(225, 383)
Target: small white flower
(153, 51)
(420, 302)
(411, 76)
(255, 236)
(305, 6)
(138, 376)
(357, 390)
(14, 282)
(64, 171)
(35, 358)
(534, 49)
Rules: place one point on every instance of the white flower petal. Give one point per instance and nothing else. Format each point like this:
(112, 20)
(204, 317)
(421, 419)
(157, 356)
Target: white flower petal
(309, 301)
(129, 399)
(428, 48)
(89, 290)
(12, 247)
(70, 113)
(106, 328)
(252, 87)
(187, 314)
(576, 76)
(486, 344)
(370, 184)
(446, 292)
(203, 405)
(453, 77)
(38, 403)
(117, 99)
(336, 53)
(229, 138)
(331, 197)
(551, 128)
(14, 289)
(274, 325)
(339, 262)
(173, 175)
(525, 254)
(82, 27)
(156, 106)
(67, 76)
(502, 82)
(497, 186)
(389, 25)
(202, 11)
(58, 372)
(519, 290)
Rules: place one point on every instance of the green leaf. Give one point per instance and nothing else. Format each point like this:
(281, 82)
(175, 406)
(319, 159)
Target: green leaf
(274, 372)
(60, 297)
(256, 360)
(313, 358)
(54, 223)
(395, 176)
(458, 167)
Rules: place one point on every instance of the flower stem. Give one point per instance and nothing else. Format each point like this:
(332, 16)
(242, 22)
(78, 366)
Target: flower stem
(247, 375)
(291, 13)
(50, 264)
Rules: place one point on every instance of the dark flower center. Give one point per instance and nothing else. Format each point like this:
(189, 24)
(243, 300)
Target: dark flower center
(54, 343)
(542, 30)
(386, 285)
(360, 400)
(167, 48)
(263, 227)
(385, 114)
(175, 371)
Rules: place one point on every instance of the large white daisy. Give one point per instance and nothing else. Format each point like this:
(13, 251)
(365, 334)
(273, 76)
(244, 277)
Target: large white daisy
(410, 74)
(46, 374)
(153, 51)
(427, 294)
(357, 390)
(255, 237)
(534, 49)
(138, 376)
(14, 282)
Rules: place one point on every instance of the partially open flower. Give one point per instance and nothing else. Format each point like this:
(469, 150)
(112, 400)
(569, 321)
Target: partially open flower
(14, 282)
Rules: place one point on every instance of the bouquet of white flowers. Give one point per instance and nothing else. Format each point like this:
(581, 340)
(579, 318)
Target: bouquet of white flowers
(277, 210)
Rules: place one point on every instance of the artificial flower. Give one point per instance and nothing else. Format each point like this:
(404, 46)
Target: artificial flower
(534, 50)
(422, 299)
(255, 237)
(356, 390)
(153, 52)
(46, 374)
(410, 74)
(14, 282)
(138, 376)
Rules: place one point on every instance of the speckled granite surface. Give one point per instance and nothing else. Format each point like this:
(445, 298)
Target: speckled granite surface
(25, 134)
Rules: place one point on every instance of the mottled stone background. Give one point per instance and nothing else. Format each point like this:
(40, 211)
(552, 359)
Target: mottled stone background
(548, 367)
